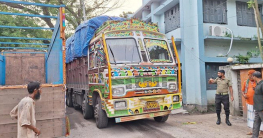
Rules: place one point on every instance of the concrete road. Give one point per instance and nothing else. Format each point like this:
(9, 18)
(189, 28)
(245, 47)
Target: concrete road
(175, 127)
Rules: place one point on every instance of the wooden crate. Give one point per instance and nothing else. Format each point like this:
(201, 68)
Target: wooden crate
(50, 111)
(22, 68)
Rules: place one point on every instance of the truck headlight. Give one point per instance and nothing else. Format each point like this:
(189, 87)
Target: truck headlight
(172, 86)
(120, 105)
(176, 98)
(118, 91)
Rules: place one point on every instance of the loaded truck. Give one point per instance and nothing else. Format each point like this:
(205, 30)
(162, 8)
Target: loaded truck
(42, 62)
(123, 69)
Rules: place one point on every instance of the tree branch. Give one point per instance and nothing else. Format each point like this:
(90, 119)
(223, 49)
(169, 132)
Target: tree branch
(16, 6)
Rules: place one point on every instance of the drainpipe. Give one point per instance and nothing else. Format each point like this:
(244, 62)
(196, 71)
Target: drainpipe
(231, 43)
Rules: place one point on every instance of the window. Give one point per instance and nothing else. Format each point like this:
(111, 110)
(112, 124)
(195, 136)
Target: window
(123, 51)
(158, 51)
(245, 15)
(92, 56)
(172, 19)
(211, 72)
(215, 11)
(96, 55)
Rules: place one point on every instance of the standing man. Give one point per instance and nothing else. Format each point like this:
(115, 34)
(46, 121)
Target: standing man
(258, 103)
(222, 96)
(248, 91)
(24, 112)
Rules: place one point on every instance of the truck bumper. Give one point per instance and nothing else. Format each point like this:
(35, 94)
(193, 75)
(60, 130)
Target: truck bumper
(143, 116)
(141, 107)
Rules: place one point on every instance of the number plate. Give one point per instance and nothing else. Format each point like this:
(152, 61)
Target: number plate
(151, 105)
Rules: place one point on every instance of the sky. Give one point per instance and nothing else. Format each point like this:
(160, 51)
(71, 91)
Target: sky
(128, 5)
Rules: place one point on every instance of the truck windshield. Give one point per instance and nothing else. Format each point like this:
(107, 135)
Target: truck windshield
(158, 50)
(123, 51)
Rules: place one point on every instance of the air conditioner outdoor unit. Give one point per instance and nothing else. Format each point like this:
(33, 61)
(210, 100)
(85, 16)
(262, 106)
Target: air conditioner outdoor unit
(215, 30)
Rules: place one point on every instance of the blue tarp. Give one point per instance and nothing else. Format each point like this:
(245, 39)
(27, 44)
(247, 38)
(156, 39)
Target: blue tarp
(68, 49)
(84, 33)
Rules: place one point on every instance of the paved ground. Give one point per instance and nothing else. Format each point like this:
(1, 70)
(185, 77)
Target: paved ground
(175, 127)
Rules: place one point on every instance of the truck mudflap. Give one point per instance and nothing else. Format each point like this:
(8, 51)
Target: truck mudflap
(143, 116)
(143, 106)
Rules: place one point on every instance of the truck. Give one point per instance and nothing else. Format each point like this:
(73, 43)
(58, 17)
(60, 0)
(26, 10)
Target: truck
(42, 62)
(125, 69)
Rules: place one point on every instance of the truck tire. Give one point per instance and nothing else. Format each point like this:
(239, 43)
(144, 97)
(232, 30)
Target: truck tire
(74, 102)
(161, 118)
(69, 100)
(87, 109)
(100, 115)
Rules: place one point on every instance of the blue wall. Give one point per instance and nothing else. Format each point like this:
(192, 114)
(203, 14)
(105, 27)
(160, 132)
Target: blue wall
(54, 58)
(2, 70)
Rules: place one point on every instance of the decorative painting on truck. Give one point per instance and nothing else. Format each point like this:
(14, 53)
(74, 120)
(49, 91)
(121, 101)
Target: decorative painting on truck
(127, 25)
(140, 105)
(143, 71)
(158, 50)
(120, 34)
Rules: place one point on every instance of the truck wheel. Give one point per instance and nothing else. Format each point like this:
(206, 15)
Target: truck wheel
(69, 100)
(74, 102)
(161, 118)
(100, 114)
(87, 109)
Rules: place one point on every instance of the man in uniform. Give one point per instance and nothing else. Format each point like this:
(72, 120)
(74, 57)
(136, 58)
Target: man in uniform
(222, 96)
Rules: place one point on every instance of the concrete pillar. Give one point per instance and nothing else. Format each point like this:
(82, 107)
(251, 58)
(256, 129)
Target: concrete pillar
(154, 6)
(194, 77)
(145, 13)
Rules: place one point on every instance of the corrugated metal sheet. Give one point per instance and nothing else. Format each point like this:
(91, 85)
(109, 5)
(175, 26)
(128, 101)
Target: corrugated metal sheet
(2, 70)
(54, 59)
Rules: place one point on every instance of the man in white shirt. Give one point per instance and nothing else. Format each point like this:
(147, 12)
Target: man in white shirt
(24, 112)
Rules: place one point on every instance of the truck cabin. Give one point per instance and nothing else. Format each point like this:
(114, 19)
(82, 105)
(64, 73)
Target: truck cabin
(139, 48)
(144, 57)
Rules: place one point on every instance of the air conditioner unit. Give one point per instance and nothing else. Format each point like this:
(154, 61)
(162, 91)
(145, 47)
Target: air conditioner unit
(215, 30)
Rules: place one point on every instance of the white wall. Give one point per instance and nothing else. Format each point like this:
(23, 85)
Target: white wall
(144, 1)
(214, 47)
(176, 33)
(161, 24)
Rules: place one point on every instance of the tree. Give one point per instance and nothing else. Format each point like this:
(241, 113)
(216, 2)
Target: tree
(21, 21)
(254, 5)
(125, 14)
(73, 8)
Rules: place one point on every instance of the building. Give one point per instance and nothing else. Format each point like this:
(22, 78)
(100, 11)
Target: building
(202, 39)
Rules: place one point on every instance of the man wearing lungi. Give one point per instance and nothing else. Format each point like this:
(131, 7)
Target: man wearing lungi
(248, 90)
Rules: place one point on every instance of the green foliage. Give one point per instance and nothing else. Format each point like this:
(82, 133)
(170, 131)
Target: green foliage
(242, 59)
(73, 9)
(253, 53)
(9, 20)
(250, 3)
(227, 34)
